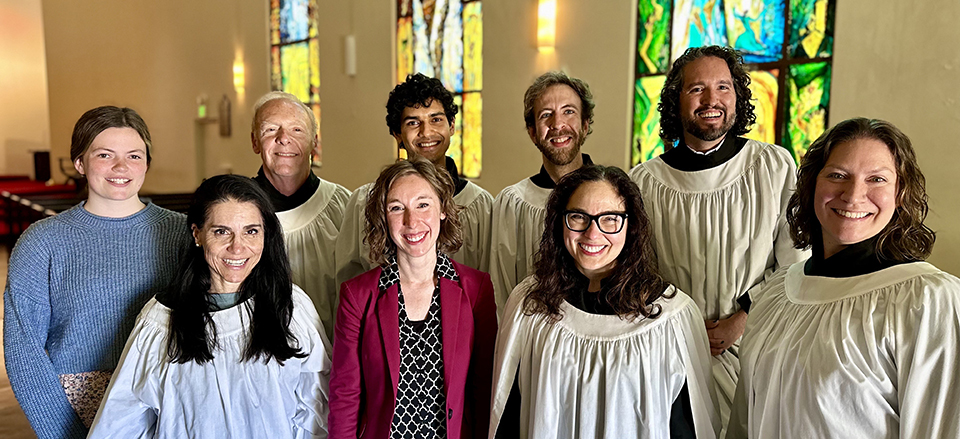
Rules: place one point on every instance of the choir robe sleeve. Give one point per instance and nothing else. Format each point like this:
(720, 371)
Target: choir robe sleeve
(518, 215)
(476, 207)
(352, 256)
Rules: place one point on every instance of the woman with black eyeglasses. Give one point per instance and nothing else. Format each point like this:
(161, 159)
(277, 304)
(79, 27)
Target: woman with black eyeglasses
(596, 344)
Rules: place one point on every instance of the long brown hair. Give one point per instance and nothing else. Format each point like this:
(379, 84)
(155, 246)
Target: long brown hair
(905, 238)
(635, 282)
(377, 232)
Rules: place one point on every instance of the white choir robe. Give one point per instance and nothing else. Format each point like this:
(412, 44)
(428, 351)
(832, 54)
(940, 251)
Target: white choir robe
(598, 376)
(150, 397)
(870, 356)
(310, 234)
(719, 231)
(518, 214)
(353, 256)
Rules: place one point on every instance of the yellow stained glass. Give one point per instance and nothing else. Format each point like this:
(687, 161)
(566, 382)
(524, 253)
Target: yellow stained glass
(472, 134)
(763, 88)
(314, 70)
(456, 141)
(404, 49)
(274, 21)
(294, 65)
(472, 47)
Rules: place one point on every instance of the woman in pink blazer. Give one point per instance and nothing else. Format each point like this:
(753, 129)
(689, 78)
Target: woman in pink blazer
(414, 337)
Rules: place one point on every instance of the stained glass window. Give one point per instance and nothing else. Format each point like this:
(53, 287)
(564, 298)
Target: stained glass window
(444, 39)
(295, 52)
(787, 45)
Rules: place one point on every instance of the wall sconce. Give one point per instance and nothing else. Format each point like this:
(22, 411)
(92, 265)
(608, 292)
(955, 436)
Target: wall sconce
(239, 81)
(546, 24)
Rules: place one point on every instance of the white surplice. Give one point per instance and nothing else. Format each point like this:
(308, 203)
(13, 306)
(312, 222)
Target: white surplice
(719, 231)
(599, 376)
(353, 256)
(310, 234)
(150, 397)
(870, 356)
(518, 214)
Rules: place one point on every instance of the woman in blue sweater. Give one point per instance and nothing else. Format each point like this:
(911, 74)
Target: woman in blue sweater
(77, 280)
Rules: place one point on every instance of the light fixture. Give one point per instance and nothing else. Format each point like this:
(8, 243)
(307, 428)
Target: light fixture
(239, 82)
(546, 24)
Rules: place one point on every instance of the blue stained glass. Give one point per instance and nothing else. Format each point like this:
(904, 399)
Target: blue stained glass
(422, 61)
(452, 60)
(294, 20)
(697, 23)
(756, 28)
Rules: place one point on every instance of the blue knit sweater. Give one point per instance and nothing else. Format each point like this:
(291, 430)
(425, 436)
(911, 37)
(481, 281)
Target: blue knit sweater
(75, 285)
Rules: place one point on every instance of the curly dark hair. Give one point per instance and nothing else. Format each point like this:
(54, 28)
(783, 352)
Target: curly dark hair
(418, 90)
(905, 238)
(635, 282)
(549, 79)
(671, 125)
(193, 335)
(377, 230)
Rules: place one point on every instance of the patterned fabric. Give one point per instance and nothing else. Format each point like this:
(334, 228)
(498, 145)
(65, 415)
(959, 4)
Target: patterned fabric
(85, 391)
(420, 410)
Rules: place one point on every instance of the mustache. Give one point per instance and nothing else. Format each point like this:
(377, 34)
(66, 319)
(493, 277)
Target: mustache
(722, 108)
(560, 133)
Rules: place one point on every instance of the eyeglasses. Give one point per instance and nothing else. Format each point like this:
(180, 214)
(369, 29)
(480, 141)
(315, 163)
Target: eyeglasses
(609, 223)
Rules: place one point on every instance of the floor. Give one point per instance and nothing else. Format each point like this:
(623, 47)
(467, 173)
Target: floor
(13, 424)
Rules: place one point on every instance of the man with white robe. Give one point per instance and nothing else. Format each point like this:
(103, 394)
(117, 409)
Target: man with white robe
(717, 202)
(420, 116)
(558, 111)
(310, 209)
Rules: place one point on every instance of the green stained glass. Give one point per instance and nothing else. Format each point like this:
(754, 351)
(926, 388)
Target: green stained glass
(646, 119)
(809, 88)
(472, 47)
(472, 134)
(295, 68)
(653, 33)
(811, 28)
(764, 90)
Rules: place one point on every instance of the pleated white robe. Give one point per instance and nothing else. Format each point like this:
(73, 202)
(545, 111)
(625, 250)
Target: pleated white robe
(353, 256)
(310, 233)
(719, 231)
(871, 356)
(150, 397)
(598, 376)
(518, 214)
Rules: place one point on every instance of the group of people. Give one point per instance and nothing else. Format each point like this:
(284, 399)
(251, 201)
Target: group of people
(616, 303)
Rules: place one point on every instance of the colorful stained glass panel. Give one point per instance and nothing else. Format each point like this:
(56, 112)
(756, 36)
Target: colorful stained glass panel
(294, 20)
(755, 27)
(764, 91)
(697, 23)
(646, 119)
(809, 88)
(811, 28)
(274, 21)
(653, 49)
(276, 76)
(451, 60)
(404, 48)
(315, 71)
(295, 68)
(472, 47)
(472, 134)
(422, 59)
(456, 141)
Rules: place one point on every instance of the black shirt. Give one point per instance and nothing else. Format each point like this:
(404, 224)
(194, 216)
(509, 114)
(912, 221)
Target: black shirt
(854, 260)
(282, 202)
(682, 158)
(543, 179)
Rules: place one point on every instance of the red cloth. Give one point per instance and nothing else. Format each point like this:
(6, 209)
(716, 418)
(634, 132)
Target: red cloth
(366, 355)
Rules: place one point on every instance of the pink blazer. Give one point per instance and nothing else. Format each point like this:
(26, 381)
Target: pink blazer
(366, 355)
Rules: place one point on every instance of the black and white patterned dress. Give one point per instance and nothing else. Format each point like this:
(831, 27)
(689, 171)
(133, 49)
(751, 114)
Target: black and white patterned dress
(420, 410)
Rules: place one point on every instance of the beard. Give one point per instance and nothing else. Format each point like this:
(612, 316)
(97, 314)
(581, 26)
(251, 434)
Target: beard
(561, 156)
(691, 126)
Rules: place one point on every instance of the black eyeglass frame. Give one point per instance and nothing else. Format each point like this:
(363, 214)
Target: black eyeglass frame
(594, 219)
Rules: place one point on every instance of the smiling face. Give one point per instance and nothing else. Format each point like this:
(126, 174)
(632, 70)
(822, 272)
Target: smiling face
(559, 129)
(856, 193)
(426, 131)
(708, 102)
(413, 216)
(594, 252)
(232, 241)
(115, 165)
(284, 140)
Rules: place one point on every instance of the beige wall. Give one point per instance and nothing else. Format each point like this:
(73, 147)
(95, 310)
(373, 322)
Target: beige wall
(24, 114)
(157, 58)
(894, 60)
(900, 61)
